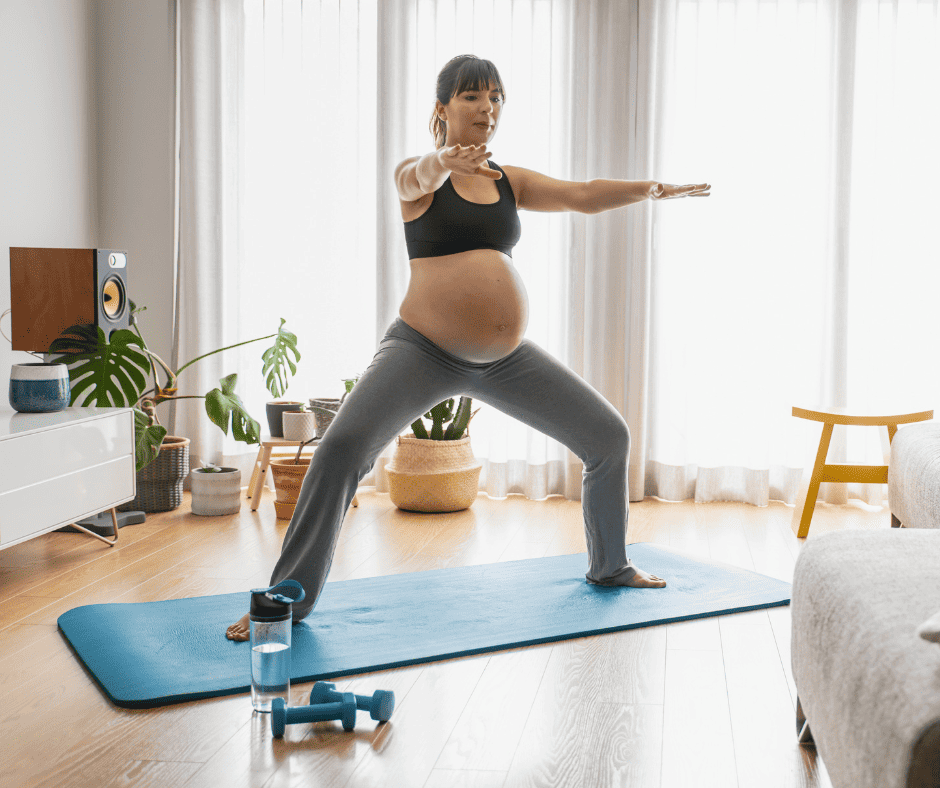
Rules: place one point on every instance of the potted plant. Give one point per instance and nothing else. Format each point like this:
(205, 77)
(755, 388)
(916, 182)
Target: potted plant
(288, 473)
(274, 410)
(436, 472)
(216, 490)
(113, 373)
(327, 409)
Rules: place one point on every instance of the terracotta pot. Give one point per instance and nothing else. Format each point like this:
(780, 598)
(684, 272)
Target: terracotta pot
(287, 480)
(433, 476)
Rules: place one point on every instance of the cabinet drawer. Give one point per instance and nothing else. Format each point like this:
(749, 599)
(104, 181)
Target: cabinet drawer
(61, 501)
(29, 459)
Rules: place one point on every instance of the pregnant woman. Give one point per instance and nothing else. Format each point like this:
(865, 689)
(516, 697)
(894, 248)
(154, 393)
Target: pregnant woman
(461, 330)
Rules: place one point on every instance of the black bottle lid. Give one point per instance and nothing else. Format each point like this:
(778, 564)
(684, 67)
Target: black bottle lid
(269, 606)
(274, 603)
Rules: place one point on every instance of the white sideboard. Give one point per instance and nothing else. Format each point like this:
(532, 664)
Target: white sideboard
(58, 468)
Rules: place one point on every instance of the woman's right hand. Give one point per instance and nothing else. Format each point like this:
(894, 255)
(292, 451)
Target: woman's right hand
(468, 160)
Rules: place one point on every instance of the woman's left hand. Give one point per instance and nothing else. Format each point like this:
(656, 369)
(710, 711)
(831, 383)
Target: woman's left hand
(666, 191)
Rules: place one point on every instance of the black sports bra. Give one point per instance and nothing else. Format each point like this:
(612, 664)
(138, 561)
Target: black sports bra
(453, 224)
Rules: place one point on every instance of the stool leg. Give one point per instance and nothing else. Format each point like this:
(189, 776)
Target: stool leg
(254, 475)
(355, 501)
(806, 500)
(262, 474)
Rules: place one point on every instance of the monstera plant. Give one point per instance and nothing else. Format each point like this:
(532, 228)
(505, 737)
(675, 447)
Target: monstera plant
(114, 373)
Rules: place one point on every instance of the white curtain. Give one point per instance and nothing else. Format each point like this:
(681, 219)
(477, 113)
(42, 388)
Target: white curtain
(277, 208)
(808, 276)
(803, 279)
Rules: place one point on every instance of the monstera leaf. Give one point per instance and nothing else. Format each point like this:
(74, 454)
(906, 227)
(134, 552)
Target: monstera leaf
(114, 371)
(275, 358)
(222, 402)
(147, 439)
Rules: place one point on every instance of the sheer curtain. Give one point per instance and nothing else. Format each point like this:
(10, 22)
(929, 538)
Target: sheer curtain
(807, 276)
(804, 278)
(278, 193)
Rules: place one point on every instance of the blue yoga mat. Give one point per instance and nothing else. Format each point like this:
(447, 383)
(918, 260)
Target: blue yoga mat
(148, 654)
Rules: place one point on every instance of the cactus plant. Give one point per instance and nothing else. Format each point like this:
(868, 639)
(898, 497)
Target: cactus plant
(441, 414)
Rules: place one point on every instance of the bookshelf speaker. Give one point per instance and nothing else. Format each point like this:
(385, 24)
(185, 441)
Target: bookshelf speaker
(52, 289)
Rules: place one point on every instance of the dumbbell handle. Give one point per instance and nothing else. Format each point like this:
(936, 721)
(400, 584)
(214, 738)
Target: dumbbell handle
(282, 715)
(325, 693)
(317, 713)
(363, 702)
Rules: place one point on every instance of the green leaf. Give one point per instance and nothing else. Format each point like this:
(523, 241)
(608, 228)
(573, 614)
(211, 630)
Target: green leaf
(147, 439)
(114, 372)
(275, 358)
(461, 420)
(420, 430)
(224, 402)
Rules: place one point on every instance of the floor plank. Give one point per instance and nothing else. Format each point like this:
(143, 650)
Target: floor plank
(698, 747)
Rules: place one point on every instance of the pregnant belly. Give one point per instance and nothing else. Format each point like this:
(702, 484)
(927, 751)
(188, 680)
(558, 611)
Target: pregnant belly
(472, 304)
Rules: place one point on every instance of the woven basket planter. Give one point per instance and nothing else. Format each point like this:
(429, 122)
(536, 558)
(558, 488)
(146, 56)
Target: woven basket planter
(322, 408)
(160, 484)
(433, 476)
(287, 480)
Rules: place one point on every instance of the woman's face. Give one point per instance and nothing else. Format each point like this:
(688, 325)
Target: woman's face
(472, 116)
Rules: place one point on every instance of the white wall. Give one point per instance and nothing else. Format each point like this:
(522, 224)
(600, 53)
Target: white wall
(87, 113)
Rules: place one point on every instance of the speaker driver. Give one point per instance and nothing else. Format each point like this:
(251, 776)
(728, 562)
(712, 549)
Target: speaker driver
(113, 298)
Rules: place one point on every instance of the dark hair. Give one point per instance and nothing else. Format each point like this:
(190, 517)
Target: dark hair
(464, 72)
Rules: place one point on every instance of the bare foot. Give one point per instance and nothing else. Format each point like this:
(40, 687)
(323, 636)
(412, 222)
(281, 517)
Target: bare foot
(239, 630)
(645, 580)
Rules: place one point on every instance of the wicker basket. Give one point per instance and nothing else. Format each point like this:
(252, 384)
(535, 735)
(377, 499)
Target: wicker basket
(288, 478)
(160, 484)
(326, 410)
(433, 476)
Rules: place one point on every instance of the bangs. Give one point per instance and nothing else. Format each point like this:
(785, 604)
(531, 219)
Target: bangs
(476, 75)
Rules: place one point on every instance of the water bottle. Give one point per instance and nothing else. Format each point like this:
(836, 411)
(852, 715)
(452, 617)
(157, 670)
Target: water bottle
(270, 622)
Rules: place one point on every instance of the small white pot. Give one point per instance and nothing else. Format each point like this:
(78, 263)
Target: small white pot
(299, 426)
(216, 493)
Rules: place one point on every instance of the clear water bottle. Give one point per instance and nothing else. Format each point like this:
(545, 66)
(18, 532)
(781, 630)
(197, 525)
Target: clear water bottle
(270, 622)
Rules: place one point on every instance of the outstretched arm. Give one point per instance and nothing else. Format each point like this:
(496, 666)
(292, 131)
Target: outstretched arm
(538, 192)
(605, 195)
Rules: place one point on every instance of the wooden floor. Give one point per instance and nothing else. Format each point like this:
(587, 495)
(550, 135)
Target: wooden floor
(697, 704)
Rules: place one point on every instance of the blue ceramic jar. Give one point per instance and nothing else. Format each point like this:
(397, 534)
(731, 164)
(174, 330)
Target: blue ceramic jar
(39, 388)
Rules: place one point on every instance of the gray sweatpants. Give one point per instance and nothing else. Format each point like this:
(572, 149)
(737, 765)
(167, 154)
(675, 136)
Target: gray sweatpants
(408, 376)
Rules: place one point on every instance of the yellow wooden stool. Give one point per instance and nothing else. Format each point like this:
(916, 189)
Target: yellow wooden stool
(263, 462)
(860, 474)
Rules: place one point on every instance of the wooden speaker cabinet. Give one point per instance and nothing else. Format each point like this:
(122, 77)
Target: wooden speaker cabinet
(52, 289)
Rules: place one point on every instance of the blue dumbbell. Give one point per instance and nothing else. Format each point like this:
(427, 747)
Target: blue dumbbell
(379, 706)
(344, 710)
